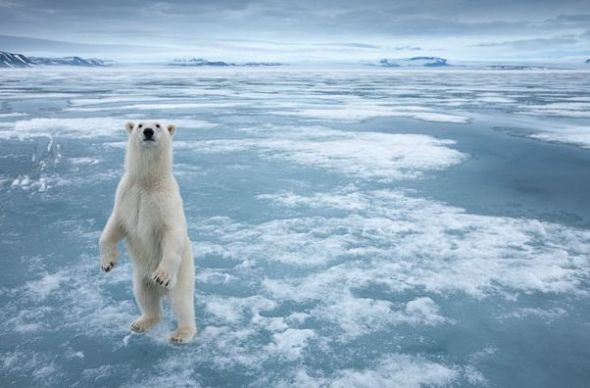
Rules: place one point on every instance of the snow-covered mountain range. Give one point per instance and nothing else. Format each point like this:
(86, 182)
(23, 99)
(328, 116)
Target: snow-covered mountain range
(67, 61)
(414, 62)
(14, 60)
(19, 60)
(205, 62)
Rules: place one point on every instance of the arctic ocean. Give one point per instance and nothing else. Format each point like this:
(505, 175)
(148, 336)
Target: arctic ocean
(351, 227)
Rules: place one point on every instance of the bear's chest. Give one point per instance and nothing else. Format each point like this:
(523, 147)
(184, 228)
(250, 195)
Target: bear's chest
(143, 212)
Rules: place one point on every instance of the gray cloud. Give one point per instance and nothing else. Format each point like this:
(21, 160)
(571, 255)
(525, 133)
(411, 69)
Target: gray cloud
(370, 26)
(577, 18)
(409, 48)
(530, 44)
(349, 45)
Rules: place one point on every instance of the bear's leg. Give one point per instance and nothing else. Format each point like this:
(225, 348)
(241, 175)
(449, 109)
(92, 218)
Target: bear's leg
(173, 246)
(148, 297)
(109, 238)
(182, 303)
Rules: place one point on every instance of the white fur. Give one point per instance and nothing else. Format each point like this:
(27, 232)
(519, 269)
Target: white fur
(148, 214)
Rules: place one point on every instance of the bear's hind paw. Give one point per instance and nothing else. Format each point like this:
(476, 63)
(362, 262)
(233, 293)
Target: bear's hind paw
(183, 335)
(143, 324)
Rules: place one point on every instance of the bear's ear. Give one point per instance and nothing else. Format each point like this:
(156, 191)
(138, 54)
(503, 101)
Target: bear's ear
(171, 128)
(129, 126)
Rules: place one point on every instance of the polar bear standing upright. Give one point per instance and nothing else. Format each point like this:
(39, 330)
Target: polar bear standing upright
(149, 215)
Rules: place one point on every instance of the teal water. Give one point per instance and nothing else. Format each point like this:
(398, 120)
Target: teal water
(350, 228)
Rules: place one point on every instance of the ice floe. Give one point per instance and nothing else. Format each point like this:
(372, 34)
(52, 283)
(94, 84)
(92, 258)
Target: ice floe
(82, 128)
(369, 155)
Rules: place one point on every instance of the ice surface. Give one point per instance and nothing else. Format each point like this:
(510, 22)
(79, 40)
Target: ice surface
(363, 110)
(350, 228)
(365, 155)
(576, 135)
(78, 128)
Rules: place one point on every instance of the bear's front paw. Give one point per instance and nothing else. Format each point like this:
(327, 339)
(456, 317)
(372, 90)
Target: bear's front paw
(107, 263)
(164, 278)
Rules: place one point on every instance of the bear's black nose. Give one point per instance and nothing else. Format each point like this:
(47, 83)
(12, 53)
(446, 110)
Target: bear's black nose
(148, 133)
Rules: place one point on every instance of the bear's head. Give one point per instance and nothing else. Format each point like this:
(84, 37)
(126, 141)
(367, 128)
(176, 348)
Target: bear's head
(150, 135)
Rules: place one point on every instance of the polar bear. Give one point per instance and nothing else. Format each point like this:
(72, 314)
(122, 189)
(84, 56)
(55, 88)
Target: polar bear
(148, 213)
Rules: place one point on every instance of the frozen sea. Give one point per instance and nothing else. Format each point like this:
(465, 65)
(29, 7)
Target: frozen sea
(351, 228)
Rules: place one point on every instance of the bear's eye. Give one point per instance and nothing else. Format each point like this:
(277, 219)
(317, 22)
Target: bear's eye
(157, 125)
(140, 125)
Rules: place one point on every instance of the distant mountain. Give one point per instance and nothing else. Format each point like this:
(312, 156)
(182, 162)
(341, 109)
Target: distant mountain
(205, 62)
(19, 60)
(67, 61)
(255, 64)
(198, 62)
(414, 62)
(518, 67)
(14, 60)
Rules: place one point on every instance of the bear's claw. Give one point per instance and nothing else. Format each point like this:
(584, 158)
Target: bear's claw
(163, 278)
(108, 266)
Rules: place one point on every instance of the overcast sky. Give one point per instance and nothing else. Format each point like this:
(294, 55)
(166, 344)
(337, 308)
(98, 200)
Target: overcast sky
(298, 30)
